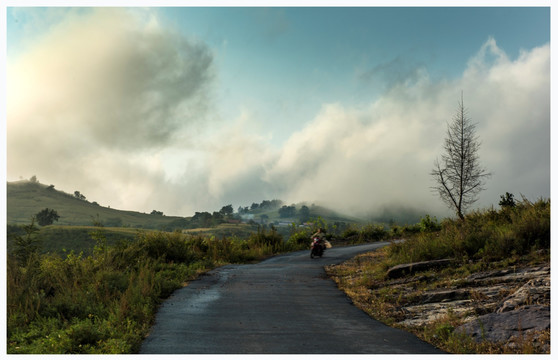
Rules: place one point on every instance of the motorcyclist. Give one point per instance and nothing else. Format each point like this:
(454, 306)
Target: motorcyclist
(320, 236)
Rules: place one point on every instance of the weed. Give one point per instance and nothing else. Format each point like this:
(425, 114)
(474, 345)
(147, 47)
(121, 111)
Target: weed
(484, 241)
(106, 302)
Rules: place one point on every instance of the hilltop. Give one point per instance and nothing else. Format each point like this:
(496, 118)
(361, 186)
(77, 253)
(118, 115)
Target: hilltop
(27, 198)
(73, 229)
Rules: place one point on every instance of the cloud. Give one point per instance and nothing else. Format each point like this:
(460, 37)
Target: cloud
(118, 79)
(513, 111)
(368, 159)
(103, 85)
(227, 167)
(121, 114)
(376, 159)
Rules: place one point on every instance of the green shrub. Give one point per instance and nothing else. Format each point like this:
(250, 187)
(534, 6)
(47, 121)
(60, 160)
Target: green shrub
(350, 232)
(489, 235)
(373, 233)
(443, 331)
(171, 247)
(271, 239)
(299, 240)
(421, 248)
(532, 223)
(84, 335)
(507, 200)
(428, 224)
(106, 302)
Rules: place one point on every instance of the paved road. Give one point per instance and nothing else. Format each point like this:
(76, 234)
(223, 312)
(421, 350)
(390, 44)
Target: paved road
(284, 305)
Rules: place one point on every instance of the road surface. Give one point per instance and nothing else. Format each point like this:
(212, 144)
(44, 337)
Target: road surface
(283, 305)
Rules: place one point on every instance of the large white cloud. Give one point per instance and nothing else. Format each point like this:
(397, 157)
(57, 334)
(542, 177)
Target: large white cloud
(98, 95)
(372, 158)
(376, 159)
(112, 103)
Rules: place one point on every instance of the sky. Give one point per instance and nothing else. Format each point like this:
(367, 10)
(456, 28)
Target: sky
(185, 109)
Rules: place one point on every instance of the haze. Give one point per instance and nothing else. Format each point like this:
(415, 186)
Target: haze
(189, 109)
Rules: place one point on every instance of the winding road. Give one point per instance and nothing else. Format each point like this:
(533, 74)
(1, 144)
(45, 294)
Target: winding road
(283, 305)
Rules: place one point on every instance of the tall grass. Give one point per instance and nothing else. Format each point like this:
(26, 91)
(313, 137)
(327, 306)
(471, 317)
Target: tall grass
(484, 235)
(106, 302)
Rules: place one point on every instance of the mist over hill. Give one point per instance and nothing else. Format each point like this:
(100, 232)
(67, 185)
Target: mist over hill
(27, 197)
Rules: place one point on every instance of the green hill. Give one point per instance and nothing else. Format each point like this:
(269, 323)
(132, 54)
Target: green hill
(26, 198)
(73, 229)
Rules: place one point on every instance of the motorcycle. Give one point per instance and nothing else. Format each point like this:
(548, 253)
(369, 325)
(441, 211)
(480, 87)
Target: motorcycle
(317, 248)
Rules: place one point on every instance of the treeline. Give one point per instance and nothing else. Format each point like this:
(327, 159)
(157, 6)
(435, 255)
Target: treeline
(301, 215)
(206, 219)
(264, 205)
(203, 219)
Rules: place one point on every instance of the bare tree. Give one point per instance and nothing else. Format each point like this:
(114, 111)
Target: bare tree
(459, 177)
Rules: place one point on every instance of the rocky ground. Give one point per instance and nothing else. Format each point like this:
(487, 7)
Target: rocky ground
(509, 307)
(498, 306)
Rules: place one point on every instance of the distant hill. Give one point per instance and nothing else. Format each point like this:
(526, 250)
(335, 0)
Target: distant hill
(72, 231)
(27, 198)
(272, 215)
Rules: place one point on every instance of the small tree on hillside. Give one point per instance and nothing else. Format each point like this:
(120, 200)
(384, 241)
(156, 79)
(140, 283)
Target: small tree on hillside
(79, 195)
(459, 177)
(47, 217)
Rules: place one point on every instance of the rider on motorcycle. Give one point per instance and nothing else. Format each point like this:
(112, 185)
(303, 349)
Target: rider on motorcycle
(320, 236)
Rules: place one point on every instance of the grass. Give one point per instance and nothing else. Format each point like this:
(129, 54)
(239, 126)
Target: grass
(106, 302)
(363, 280)
(486, 240)
(224, 230)
(62, 239)
(26, 198)
(487, 235)
(103, 299)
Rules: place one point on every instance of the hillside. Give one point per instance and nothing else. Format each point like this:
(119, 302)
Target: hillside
(272, 215)
(73, 229)
(26, 198)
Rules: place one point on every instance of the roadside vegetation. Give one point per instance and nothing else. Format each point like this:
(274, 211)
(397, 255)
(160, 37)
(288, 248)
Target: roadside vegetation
(76, 288)
(96, 289)
(516, 235)
(106, 302)
(104, 299)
